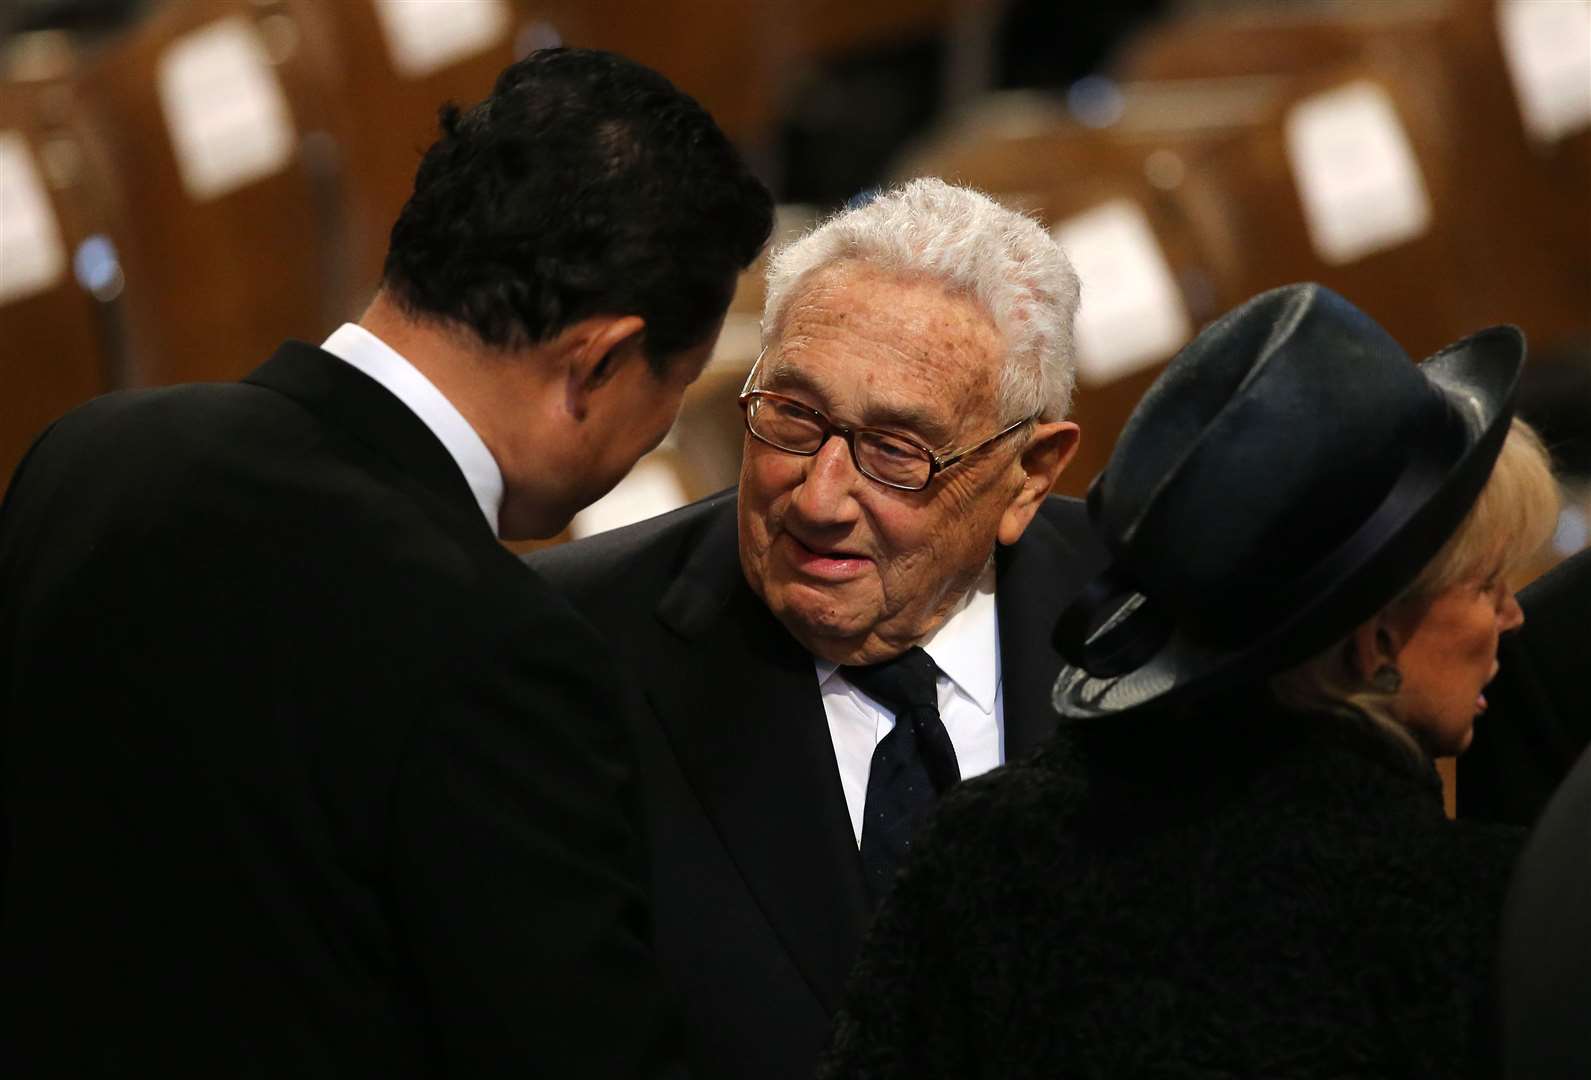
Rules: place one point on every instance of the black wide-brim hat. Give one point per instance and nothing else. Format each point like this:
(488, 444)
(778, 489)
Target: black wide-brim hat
(1289, 474)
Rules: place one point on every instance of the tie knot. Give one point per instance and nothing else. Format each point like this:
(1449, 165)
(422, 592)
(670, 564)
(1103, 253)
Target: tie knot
(907, 681)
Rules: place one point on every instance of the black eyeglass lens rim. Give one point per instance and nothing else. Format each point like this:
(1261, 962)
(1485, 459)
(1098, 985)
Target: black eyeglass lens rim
(754, 402)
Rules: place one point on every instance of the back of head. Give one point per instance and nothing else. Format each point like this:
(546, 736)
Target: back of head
(973, 245)
(585, 184)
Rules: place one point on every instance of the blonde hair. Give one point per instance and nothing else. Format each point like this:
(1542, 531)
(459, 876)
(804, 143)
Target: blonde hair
(1512, 518)
(1002, 259)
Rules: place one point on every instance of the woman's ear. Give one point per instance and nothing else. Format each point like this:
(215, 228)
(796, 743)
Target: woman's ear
(1371, 648)
(1378, 642)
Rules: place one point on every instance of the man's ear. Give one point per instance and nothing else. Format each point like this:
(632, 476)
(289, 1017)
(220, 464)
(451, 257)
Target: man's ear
(1046, 456)
(592, 350)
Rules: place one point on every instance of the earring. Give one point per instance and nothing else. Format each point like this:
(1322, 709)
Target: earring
(1387, 679)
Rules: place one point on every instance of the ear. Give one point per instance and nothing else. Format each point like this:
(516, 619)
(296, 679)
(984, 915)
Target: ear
(591, 351)
(1047, 454)
(1380, 640)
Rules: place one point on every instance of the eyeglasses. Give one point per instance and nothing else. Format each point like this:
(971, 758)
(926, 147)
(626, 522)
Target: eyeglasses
(891, 459)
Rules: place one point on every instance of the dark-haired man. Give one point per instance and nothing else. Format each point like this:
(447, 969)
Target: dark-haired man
(304, 774)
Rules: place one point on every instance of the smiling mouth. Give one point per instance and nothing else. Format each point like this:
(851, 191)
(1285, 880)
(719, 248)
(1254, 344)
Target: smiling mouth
(829, 564)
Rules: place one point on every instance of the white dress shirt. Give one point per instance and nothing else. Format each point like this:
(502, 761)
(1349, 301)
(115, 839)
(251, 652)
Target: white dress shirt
(358, 347)
(967, 651)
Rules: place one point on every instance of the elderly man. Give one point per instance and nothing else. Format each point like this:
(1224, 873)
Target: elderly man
(304, 774)
(867, 620)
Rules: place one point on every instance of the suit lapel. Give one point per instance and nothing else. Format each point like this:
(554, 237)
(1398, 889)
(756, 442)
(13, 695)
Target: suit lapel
(1035, 578)
(738, 699)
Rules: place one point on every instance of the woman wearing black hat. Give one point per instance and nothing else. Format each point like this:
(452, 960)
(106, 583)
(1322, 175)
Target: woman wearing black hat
(1234, 860)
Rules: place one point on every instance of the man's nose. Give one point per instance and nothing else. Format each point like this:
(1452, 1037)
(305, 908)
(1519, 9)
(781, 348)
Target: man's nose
(827, 492)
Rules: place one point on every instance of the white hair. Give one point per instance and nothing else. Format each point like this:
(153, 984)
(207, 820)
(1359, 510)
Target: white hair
(1004, 260)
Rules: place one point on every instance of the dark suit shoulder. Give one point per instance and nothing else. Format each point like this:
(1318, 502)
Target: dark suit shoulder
(1067, 514)
(196, 404)
(1061, 530)
(642, 556)
(229, 494)
(133, 422)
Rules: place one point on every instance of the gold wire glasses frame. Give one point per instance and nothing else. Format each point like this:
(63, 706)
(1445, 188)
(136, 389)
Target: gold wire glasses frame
(891, 459)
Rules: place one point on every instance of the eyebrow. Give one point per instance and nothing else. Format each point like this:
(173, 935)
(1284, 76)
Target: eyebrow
(906, 419)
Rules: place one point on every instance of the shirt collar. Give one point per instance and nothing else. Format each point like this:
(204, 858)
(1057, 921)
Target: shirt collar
(966, 647)
(359, 348)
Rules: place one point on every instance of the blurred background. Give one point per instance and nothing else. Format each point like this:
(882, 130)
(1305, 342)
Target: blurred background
(183, 183)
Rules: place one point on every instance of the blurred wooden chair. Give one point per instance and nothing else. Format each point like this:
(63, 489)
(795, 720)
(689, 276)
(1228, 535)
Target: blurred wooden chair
(57, 319)
(382, 70)
(1272, 39)
(1512, 190)
(729, 55)
(1148, 286)
(201, 112)
(1521, 102)
(1117, 199)
(1349, 181)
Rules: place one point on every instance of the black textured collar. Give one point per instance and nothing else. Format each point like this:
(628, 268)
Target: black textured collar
(350, 400)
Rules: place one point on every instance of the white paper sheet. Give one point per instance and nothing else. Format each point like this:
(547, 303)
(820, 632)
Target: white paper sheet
(1356, 173)
(1547, 45)
(652, 488)
(32, 257)
(224, 107)
(1132, 313)
(427, 35)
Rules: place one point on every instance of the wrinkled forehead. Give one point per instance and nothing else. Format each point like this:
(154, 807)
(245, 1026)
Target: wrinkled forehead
(886, 345)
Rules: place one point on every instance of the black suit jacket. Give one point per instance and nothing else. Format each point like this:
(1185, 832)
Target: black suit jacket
(1545, 973)
(760, 902)
(1538, 716)
(303, 773)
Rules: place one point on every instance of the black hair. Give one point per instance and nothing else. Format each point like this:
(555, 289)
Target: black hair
(585, 184)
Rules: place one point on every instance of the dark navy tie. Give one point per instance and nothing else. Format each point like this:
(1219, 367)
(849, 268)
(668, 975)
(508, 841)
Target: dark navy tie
(912, 765)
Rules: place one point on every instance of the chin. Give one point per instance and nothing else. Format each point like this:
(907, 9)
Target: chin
(1444, 744)
(546, 523)
(826, 637)
(819, 629)
(528, 532)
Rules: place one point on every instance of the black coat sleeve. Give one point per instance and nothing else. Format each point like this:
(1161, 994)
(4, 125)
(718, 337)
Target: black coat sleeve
(517, 872)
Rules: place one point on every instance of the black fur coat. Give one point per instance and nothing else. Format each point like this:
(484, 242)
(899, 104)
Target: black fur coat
(1250, 892)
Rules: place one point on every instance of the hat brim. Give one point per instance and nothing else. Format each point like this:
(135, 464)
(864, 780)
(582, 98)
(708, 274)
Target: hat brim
(1479, 377)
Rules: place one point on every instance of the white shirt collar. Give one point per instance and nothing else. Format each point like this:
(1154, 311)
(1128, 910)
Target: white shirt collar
(359, 348)
(966, 648)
